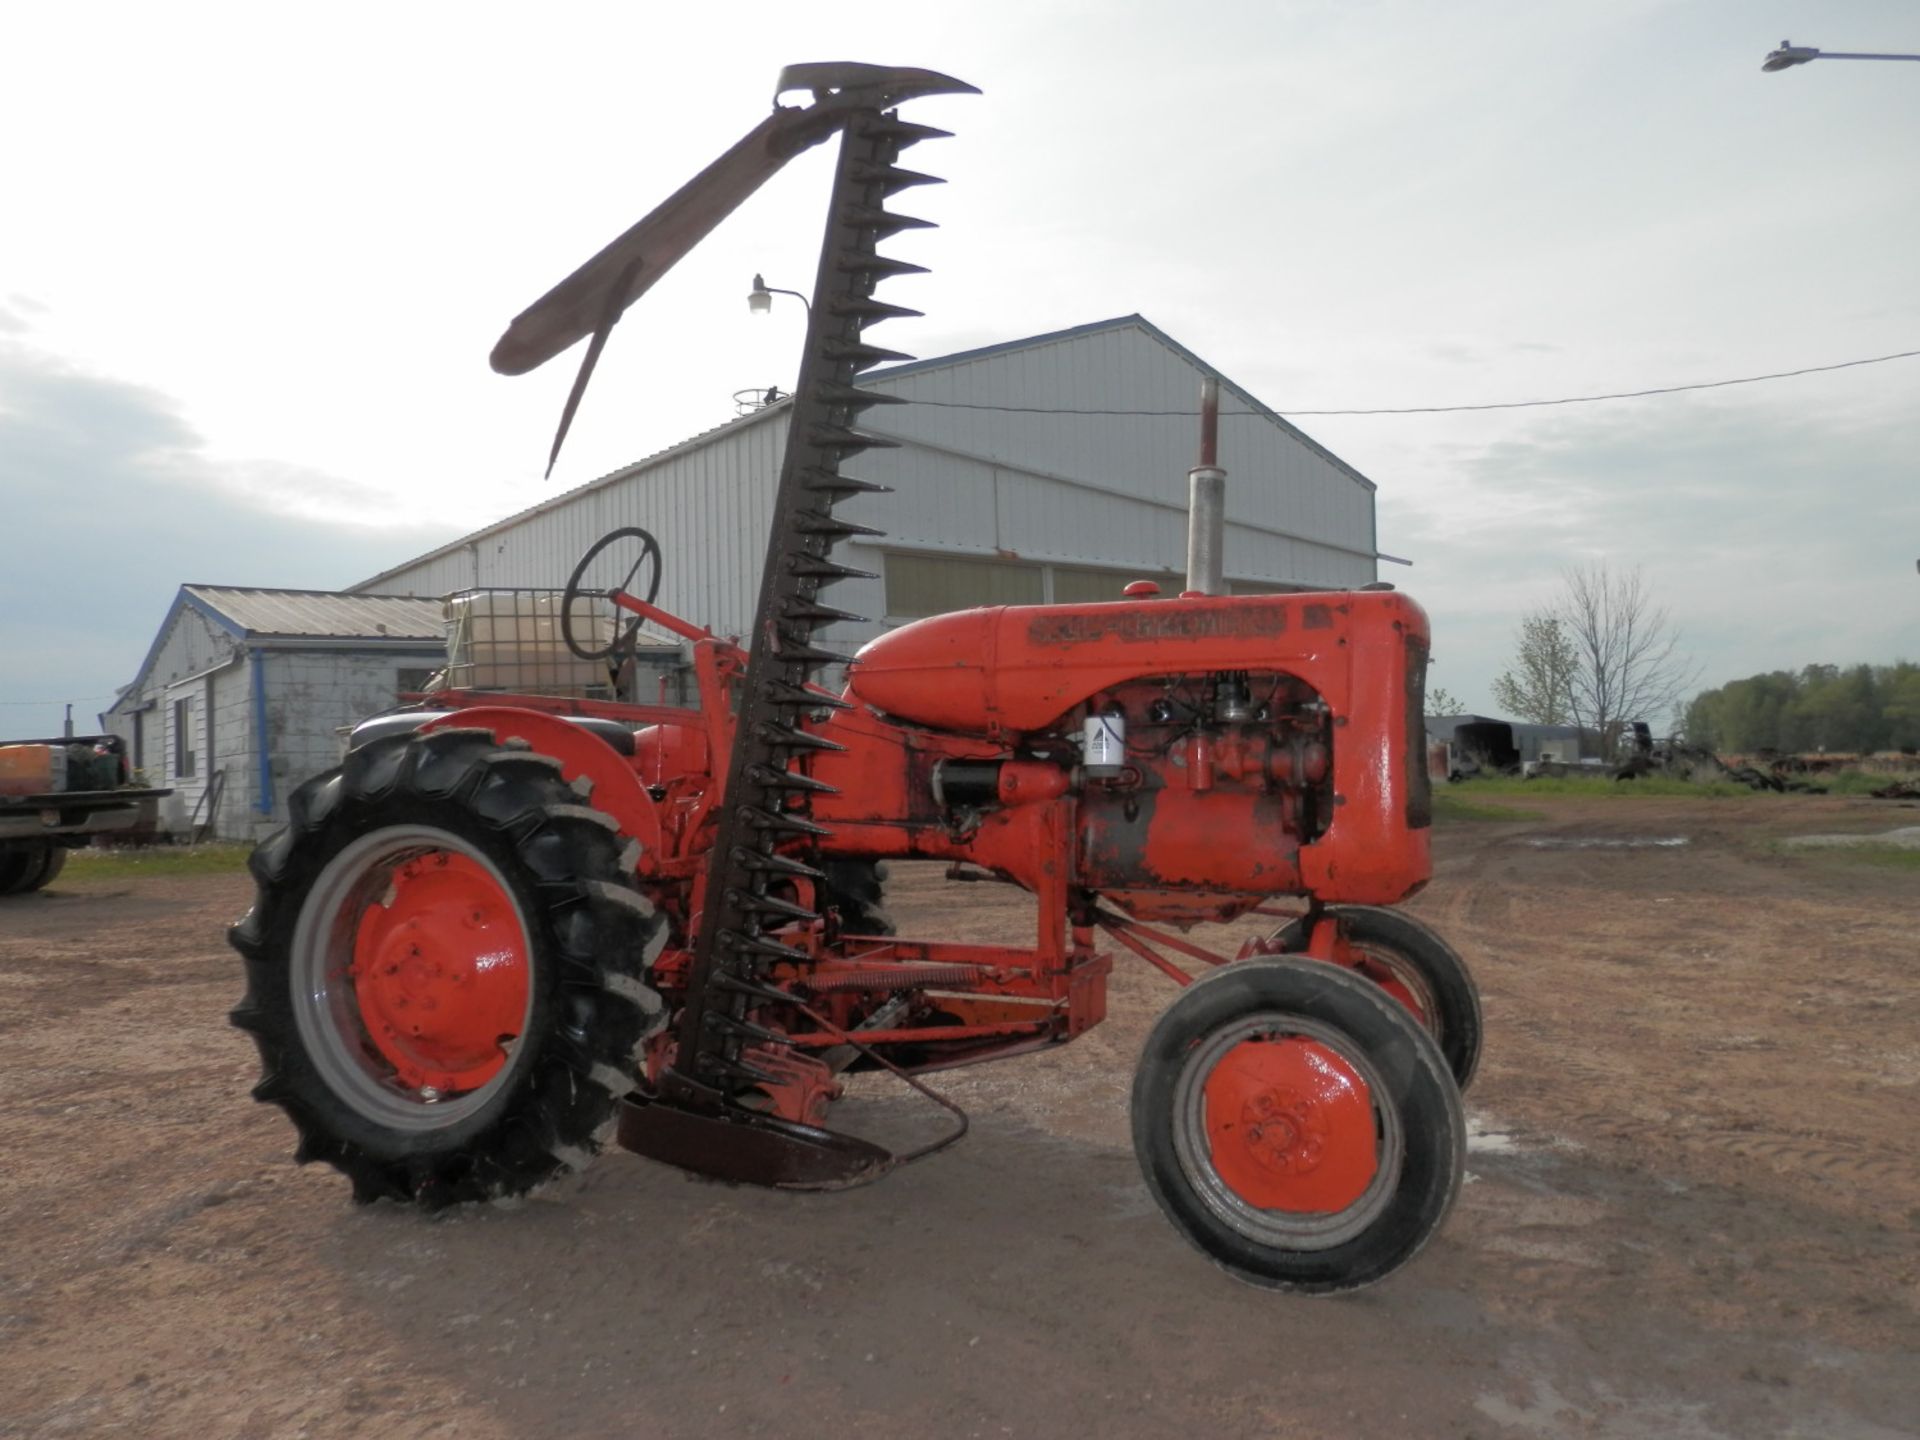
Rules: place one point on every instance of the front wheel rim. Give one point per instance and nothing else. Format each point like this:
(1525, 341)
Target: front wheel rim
(411, 972)
(1286, 1132)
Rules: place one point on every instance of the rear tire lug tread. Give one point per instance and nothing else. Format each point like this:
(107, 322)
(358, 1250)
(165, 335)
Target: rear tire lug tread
(595, 976)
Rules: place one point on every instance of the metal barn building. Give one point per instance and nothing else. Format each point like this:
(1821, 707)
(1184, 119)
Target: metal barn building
(1042, 470)
(243, 691)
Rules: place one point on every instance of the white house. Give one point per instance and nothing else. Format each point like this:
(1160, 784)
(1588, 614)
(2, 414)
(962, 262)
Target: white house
(243, 690)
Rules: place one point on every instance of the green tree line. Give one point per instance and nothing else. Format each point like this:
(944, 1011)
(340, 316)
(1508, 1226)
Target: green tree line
(1822, 707)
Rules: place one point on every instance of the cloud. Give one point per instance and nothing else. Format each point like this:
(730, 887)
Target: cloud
(1776, 535)
(17, 315)
(110, 503)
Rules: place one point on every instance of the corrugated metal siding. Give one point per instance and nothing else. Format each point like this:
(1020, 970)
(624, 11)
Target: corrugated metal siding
(1099, 490)
(1052, 475)
(709, 506)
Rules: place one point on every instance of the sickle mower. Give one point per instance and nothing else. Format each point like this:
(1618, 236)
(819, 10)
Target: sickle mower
(512, 925)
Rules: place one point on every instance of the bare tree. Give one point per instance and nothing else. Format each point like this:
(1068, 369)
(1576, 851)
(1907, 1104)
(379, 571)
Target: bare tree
(1540, 686)
(1629, 665)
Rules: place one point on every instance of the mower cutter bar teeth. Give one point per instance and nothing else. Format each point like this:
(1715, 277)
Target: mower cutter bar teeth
(872, 312)
(862, 356)
(892, 179)
(779, 822)
(767, 839)
(848, 442)
(885, 222)
(840, 486)
(792, 781)
(765, 949)
(791, 737)
(824, 572)
(814, 522)
(811, 612)
(904, 132)
(744, 1029)
(772, 863)
(880, 267)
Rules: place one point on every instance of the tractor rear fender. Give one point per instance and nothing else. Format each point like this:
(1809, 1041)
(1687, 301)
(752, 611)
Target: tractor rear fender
(602, 776)
(663, 754)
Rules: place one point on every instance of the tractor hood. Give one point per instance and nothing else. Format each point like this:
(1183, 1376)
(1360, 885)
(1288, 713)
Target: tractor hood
(1017, 668)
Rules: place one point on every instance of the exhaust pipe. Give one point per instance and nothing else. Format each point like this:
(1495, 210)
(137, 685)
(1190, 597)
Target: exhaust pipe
(1207, 501)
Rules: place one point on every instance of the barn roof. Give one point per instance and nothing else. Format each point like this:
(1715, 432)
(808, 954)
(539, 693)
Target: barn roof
(1123, 322)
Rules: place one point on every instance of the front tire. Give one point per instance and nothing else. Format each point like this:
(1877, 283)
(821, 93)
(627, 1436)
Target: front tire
(1417, 967)
(1297, 1126)
(446, 969)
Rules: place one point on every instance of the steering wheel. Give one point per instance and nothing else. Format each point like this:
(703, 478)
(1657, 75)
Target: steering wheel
(622, 638)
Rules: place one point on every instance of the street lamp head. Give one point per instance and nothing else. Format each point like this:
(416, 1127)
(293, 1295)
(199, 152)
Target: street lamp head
(1789, 55)
(760, 299)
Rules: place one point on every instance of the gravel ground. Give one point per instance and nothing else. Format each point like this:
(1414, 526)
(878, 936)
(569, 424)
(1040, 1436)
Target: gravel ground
(1694, 1191)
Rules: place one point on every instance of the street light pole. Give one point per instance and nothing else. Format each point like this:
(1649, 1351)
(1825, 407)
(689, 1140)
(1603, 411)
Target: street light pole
(1790, 54)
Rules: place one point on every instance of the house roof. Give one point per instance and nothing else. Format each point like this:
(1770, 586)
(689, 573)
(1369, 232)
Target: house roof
(319, 614)
(873, 377)
(291, 617)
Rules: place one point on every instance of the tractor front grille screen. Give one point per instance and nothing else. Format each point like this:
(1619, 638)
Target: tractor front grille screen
(1419, 782)
(511, 640)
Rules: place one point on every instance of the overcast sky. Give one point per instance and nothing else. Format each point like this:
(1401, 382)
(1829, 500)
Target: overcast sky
(254, 258)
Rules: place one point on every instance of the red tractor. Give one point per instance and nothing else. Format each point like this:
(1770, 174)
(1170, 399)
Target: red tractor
(511, 924)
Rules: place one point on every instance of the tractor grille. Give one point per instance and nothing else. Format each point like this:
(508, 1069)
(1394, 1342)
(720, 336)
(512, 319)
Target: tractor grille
(1419, 782)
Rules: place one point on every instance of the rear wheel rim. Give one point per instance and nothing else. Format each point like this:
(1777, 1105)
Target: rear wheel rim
(1282, 1127)
(411, 977)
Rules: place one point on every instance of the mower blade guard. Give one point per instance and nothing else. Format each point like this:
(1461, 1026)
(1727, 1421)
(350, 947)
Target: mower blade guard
(743, 1148)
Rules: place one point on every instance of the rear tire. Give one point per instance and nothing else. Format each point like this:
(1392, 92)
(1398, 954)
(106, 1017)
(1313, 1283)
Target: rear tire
(461, 878)
(1297, 1126)
(1419, 965)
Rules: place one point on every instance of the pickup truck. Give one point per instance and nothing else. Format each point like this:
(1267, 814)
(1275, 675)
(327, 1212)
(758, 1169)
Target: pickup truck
(57, 795)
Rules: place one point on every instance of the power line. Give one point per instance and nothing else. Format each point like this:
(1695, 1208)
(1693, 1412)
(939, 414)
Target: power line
(1447, 409)
(80, 700)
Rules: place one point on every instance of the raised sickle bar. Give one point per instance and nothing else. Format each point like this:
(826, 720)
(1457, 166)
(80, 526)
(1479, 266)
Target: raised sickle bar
(765, 845)
(765, 838)
(708, 1112)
